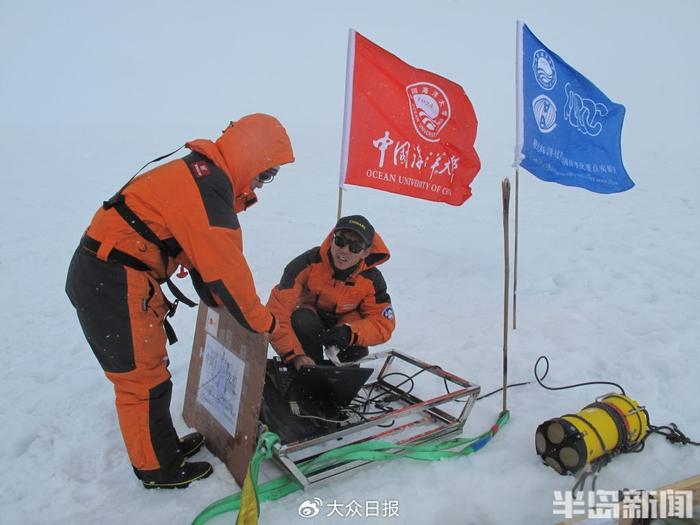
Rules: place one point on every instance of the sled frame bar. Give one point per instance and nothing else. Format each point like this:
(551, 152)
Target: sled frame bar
(411, 411)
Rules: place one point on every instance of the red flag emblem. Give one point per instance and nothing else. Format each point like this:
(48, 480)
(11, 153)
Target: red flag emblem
(407, 130)
(430, 109)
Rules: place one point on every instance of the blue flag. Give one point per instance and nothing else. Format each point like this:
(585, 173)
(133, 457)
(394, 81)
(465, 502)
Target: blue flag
(568, 130)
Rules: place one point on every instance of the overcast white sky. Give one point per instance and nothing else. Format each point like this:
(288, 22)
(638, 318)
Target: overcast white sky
(90, 91)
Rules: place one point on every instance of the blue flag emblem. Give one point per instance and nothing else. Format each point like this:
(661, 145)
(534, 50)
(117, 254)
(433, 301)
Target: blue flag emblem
(568, 130)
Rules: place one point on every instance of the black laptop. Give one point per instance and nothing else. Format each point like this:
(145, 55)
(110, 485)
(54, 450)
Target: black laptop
(322, 384)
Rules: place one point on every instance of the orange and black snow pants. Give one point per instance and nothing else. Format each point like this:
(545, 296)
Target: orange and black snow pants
(121, 311)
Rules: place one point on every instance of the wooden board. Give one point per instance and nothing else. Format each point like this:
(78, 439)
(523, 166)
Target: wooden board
(216, 333)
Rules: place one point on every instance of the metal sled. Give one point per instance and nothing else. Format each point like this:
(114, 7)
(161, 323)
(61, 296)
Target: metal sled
(418, 410)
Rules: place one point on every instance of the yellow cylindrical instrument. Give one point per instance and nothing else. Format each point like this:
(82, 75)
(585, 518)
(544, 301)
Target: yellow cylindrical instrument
(614, 423)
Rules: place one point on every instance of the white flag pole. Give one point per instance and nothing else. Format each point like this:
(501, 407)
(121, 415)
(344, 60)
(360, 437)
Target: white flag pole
(347, 117)
(518, 150)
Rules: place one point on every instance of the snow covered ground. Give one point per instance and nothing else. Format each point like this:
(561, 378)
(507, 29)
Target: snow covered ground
(609, 286)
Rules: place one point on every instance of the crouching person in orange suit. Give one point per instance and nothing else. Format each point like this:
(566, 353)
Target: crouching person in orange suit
(334, 296)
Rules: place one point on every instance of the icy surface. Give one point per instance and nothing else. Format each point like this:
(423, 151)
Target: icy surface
(609, 286)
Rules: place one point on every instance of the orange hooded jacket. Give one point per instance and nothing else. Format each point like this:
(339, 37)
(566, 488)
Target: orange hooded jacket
(360, 300)
(191, 204)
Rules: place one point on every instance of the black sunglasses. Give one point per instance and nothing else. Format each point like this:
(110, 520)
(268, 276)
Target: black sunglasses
(268, 175)
(354, 246)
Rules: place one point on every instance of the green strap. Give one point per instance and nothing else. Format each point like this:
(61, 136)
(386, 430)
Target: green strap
(368, 451)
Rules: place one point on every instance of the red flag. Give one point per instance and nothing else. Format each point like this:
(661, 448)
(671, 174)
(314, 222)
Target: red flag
(407, 130)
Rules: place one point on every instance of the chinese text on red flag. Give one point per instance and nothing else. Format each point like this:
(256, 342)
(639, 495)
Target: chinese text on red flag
(408, 131)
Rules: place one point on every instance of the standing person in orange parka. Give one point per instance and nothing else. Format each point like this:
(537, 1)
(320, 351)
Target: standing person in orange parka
(180, 213)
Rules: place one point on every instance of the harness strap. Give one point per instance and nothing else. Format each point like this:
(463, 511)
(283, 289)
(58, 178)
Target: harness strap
(118, 203)
(126, 213)
(93, 246)
(106, 205)
(169, 330)
(114, 255)
(147, 233)
(179, 296)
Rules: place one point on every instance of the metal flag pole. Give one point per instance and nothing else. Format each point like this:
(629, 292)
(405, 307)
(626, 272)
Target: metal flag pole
(347, 116)
(518, 152)
(505, 188)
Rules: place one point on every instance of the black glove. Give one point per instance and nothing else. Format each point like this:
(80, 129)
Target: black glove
(340, 336)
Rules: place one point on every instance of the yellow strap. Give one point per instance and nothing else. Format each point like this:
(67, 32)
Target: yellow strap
(248, 515)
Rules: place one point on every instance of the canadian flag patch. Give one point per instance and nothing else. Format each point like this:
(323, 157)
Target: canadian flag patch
(200, 169)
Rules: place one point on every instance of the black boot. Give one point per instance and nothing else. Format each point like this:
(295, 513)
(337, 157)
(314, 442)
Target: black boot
(190, 444)
(174, 478)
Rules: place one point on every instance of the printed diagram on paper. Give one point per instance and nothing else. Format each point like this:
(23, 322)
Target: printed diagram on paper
(220, 383)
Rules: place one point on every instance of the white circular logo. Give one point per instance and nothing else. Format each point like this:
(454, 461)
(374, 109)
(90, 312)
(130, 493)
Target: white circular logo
(545, 113)
(430, 109)
(388, 313)
(545, 72)
(309, 509)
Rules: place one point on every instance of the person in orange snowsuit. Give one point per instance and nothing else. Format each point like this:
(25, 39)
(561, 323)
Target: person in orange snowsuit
(180, 213)
(334, 296)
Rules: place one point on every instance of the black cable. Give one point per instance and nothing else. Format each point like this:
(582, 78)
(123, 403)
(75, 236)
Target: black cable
(365, 402)
(540, 378)
(369, 399)
(600, 463)
(672, 434)
(580, 482)
(356, 408)
(408, 378)
(499, 389)
(447, 389)
(671, 431)
(361, 415)
(594, 469)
